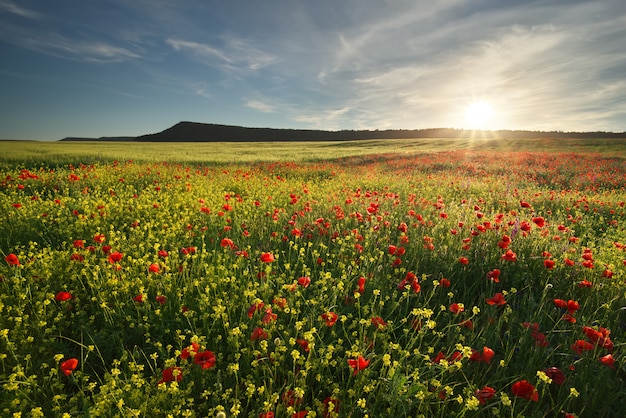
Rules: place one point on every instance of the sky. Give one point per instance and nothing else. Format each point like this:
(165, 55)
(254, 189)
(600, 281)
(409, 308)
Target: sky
(96, 68)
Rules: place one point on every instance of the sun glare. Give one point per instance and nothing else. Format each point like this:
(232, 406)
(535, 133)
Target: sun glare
(478, 115)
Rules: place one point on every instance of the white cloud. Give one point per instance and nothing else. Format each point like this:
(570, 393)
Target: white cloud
(260, 106)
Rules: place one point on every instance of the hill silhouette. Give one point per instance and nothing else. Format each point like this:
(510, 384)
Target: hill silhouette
(208, 132)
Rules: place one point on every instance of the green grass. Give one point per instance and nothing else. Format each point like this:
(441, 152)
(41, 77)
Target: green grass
(127, 269)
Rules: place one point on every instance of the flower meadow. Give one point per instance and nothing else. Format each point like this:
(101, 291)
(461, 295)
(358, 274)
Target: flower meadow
(456, 284)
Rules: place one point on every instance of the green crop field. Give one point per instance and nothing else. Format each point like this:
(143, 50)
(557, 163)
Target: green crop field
(427, 277)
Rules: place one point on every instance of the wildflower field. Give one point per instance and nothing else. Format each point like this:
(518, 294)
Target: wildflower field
(459, 283)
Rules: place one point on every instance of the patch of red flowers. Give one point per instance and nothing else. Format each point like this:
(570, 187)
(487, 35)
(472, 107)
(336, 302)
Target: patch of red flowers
(358, 364)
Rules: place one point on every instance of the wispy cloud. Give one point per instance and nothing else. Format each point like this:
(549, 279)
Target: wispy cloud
(259, 105)
(235, 54)
(11, 7)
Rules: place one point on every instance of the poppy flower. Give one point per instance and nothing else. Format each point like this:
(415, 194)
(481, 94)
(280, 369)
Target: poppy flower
(267, 257)
(115, 257)
(581, 345)
(269, 316)
(549, 264)
(12, 260)
(304, 344)
(68, 366)
(509, 256)
(555, 374)
(138, 298)
(378, 322)
(330, 318)
(269, 414)
(79, 243)
(482, 356)
(494, 275)
(258, 333)
(163, 253)
(170, 374)
(160, 299)
(254, 308)
(608, 361)
(99, 238)
(358, 364)
(63, 296)
(497, 299)
(304, 281)
(601, 337)
(539, 221)
(464, 260)
(456, 308)
(484, 394)
(360, 284)
(299, 414)
(154, 268)
(524, 389)
(205, 359)
(190, 351)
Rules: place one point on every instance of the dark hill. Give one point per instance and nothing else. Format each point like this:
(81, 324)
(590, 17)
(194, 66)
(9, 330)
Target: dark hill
(208, 132)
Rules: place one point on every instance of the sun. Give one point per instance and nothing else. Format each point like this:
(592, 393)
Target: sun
(478, 115)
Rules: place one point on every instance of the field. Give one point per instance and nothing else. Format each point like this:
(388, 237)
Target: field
(434, 278)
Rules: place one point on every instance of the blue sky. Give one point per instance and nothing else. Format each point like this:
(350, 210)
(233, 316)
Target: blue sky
(119, 67)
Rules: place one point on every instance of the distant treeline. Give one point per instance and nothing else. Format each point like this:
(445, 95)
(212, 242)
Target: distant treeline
(206, 132)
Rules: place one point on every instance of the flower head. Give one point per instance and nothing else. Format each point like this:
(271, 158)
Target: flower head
(68, 366)
(524, 389)
(205, 359)
(358, 364)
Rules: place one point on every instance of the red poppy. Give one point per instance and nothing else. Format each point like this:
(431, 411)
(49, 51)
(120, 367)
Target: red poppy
(63, 296)
(269, 316)
(163, 253)
(79, 243)
(138, 298)
(12, 260)
(509, 256)
(254, 308)
(539, 221)
(99, 238)
(358, 364)
(444, 282)
(304, 344)
(360, 284)
(585, 283)
(115, 257)
(555, 374)
(299, 414)
(258, 334)
(456, 309)
(170, 374)
(267, 257)
(266, 415)
(524, 204)
(68, 366)
(160, 299)
(228, 243)
(304, 281)
(378, 322)
(549, 264)
(524, 389)
(601, 337)
(190, 351)
(484, 394)
(482, 356)
(608, 361)
(581, 345)
(154, 268)
(494, 275)
(464, 260)
(330, 318)
(205, 359)
(497, 299)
